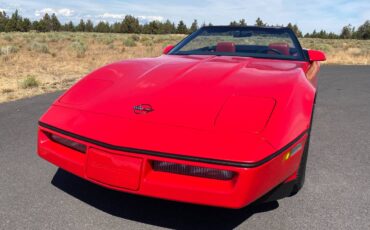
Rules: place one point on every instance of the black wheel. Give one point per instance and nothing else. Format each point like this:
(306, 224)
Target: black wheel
(302, 168)
(291, 188)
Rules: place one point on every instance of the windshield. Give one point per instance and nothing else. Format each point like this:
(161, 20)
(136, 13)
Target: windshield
(275, 43)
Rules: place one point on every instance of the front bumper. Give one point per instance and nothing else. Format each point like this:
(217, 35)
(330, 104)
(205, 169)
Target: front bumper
(133, 173)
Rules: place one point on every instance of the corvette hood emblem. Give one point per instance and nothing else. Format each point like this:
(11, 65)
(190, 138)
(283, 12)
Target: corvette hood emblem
(143, 109)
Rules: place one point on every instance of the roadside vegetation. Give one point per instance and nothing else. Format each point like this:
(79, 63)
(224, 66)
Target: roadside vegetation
(131, 25)
(35, 63)
(29, 82)
(46, 56)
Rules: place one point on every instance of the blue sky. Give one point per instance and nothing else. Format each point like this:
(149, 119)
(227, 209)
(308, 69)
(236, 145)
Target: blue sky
(330, 15)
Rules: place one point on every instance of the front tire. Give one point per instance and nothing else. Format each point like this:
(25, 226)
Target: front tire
(301, 175)
(302, 168)
(292, 187)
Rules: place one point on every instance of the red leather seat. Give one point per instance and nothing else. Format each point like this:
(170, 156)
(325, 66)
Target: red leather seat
(282, 47)
(225, 47)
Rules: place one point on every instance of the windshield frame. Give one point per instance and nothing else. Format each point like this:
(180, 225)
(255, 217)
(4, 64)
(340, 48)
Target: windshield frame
(301, 55)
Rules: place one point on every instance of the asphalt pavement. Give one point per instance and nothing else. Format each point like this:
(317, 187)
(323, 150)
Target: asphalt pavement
(35, 194)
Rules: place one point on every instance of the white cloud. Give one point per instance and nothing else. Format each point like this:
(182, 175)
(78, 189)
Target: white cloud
(59, 12)
(65, 12)
(111, 16)
(121, 16)
(151, 18)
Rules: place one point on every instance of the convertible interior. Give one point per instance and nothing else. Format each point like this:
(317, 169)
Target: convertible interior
(275, 48)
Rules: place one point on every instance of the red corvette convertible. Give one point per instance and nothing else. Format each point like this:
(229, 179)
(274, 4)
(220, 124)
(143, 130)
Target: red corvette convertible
(223, 119)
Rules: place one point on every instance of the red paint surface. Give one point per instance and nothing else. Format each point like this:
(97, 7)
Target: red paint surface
(115, 170)
(316, 55)
(226, 108)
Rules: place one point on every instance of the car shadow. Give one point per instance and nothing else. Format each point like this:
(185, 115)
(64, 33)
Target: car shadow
(152, 211)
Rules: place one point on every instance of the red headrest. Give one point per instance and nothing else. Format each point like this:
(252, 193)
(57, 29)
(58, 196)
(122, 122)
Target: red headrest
(225, 47)
(282, 47)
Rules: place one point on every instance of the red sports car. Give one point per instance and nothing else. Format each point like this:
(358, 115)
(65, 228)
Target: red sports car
(223, 119)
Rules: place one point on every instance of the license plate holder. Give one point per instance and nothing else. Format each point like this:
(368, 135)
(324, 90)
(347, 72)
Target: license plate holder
(114, 170)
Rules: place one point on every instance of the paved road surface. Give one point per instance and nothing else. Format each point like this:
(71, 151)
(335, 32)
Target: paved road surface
(36, 195)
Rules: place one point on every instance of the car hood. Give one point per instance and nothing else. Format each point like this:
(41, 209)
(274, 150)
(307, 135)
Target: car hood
(203, 106)
(202, 92)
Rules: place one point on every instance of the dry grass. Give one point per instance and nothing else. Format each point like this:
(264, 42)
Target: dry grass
(58, 60)
(341, 51)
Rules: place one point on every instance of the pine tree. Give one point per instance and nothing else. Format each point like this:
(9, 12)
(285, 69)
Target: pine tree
(89, 27)
(45, 24)
(242, 22)
(102, 27)
(153, 27)
(259, 22)
(130, 24)
(168, 27)
(115, 27)
(322, 34)
(54, 22)
(332, 35)
(234, 23)
(26, 25)
(42, 26)
(3, 20)
(35, 25)
(314, 34)
(347, 32)
(194, 26)
(181, 28)
(70, 26)
(363, 31)
(295, 29)
(81, 26)
(14, 23)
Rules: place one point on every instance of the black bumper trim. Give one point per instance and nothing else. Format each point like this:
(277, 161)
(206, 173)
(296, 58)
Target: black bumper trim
(174, 156)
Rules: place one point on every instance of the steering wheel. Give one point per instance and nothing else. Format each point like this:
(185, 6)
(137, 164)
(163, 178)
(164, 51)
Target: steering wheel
(265, 50)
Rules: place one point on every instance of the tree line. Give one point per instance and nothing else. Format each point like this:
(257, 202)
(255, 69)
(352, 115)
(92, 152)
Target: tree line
(131, 24)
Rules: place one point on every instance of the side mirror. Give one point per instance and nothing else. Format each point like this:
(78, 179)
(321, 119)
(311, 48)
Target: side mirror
(316, 55)
(168, 49)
